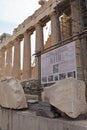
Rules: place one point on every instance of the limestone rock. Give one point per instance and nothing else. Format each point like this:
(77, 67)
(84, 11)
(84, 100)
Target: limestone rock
(67, 96)
(12, 94)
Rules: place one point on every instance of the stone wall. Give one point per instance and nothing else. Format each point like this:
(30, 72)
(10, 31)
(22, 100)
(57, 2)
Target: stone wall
(25, 120)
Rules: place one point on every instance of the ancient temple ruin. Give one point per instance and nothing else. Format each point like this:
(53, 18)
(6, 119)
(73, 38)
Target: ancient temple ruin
(68, 23)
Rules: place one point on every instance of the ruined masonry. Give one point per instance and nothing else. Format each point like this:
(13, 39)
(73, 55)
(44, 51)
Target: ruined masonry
(68, 23)
(68, 20)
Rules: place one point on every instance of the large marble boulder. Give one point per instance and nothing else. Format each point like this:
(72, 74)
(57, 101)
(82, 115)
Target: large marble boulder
(12, 94)
(67, 96)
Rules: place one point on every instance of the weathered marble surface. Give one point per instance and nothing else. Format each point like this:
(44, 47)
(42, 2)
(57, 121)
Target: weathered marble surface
(11, 94)
(68, 96)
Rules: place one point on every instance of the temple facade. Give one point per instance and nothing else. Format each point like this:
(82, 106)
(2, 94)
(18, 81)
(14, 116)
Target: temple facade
(68, 23)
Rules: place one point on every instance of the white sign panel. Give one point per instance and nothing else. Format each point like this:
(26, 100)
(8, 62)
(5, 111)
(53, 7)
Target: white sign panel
(58, 64)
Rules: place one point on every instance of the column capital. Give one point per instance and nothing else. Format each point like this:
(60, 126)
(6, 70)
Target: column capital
(20, 37)
(52, 13)
(3, 48)
(42, 24)
(28, 32)
(10, 45)
(17, 40)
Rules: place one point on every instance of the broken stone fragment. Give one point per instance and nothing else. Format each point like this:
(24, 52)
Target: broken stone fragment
(12, 94)
(68, 96)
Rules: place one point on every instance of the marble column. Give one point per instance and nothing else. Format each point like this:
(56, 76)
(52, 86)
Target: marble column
(76, 22)
(27, 56)
(55, 28)
(8, 68)
(2, 62)
(39, 37)
(16, 72)
(39, 46)
(80, 42)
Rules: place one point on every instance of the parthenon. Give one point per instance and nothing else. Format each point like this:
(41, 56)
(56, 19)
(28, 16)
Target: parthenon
(51, 94)
(68, 23)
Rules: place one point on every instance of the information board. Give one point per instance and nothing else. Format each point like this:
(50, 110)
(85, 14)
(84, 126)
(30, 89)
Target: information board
(58, 64)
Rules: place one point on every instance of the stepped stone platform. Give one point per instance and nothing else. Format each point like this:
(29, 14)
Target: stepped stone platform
(26, 120)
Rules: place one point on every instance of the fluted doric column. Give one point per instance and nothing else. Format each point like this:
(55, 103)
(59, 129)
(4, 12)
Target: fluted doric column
(76, 22)
(55, 28)
(16, 72)
(39, 37)
(8, 68)
(27, 56)
(2, 62)
(39, 45)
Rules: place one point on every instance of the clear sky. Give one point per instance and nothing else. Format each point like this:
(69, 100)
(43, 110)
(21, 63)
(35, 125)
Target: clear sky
(13, 13)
